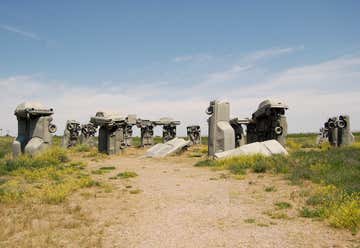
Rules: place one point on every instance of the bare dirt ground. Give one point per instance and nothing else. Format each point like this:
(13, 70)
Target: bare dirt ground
(171, 203)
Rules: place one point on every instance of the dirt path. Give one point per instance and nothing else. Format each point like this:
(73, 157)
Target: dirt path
(180, 205)
(169, 204)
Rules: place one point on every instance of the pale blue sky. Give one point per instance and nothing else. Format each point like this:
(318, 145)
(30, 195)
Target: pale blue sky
(158, 58)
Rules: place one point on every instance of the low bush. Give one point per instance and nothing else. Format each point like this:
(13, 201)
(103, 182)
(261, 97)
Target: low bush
(127, 174)
(270, 189)
(103, 170)
(283, 205)
(206, 163)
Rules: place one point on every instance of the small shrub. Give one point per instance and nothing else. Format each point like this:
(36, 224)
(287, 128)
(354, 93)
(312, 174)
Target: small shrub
(135, 191)
(99, 172)
(347, 213)
(127, 174)
(270, 189)
(108, 188)
(206, 163)
(279, 163)
(195, 155)
(107, 168)
(103, 170)
(259, 166)
(224, 176)
(249, 220)
(283, 205)
(239, 165)
(276, 215)
(239, 177)
(310, 212)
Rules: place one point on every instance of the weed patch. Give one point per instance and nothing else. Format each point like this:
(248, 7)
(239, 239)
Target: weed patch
(262, 224)
(135, 191)
(283, 205)
(270, 189)
(82, 148)
(95, 155)
(249, 220)
(48, 177)
(206, 163)
(127, 174)
(310, 212)
(103, 170)
(342, 209)
(336, 170)
(276, 215)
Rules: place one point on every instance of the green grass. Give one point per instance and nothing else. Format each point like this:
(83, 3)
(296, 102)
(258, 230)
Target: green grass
(206, 163)
(51, 157)
(107, 168)
(336, 171)
(270, 189)
(341, 208)
(237, 165)
(198, 151)
(136, 141)
(283, 205)
(262, 224)
(277, 215)
(95, 155)
(5, 146)
(311, 212)
(135, 191)
(103, 170)
(81, 148)
(49, 177)
(57, 140)
(251, 220)
(339, 167)
(127, 174)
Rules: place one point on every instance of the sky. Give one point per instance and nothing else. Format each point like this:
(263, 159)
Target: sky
(171, 58)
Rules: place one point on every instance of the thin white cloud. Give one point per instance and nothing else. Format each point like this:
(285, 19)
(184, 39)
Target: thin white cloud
(246, 63)
(340, 74)
(272, 52)
(228, 74)
(248, 58)
(18, 31)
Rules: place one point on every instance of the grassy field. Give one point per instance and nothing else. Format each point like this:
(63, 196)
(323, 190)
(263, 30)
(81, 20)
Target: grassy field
(49, 177)
(52, 176)
(334, 172)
